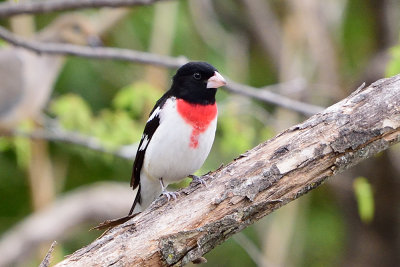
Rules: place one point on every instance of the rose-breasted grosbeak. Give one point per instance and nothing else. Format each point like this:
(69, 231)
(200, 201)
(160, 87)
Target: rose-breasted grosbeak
(179, 133)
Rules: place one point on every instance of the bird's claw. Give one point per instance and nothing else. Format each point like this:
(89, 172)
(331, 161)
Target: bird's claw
(198, 179)
(168, 194)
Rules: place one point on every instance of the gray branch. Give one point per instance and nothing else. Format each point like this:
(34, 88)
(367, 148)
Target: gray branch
(150, 58)
(92, 52)
(47, 258)
(58, 135)
(267, 96)
(8, 9)
(258, 182)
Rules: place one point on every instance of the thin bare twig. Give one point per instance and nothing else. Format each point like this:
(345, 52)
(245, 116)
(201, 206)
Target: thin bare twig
(92, 52)
(273, 98)
(160, 60)
(57, 135)
(35, 7)
(46, 260)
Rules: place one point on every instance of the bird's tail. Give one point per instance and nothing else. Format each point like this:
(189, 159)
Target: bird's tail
(136, 202)
(147, 191)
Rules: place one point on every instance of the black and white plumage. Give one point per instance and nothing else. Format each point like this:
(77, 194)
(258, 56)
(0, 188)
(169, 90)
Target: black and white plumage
(179, 133)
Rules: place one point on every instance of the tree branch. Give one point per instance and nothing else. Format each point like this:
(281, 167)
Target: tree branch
(267, 96)
(57, 135)
(10, 9)
(160, 60)
(253, 185)
(92, 52)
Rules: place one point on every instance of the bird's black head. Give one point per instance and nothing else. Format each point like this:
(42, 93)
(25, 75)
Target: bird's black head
(197, 82)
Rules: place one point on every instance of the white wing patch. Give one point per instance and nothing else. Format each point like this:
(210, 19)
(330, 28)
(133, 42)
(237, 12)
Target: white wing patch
(144, 143)
(155, 113)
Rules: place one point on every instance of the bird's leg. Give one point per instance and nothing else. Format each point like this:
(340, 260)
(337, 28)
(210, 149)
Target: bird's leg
(166, 193)
(198, 179)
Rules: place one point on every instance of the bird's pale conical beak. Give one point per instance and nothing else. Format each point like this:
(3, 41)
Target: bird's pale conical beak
(216, 81)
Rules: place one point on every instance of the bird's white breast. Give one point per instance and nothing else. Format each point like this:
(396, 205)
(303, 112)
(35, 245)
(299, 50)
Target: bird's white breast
(170, 154)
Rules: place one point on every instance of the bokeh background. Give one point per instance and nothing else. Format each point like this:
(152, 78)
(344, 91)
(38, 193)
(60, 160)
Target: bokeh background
(313, 51)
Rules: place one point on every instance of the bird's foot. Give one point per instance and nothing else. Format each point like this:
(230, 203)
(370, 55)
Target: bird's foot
(170, 195)
(198, 179)
(166, 193)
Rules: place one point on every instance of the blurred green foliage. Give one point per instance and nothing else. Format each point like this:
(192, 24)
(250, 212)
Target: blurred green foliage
(393, 67)
(137, 98)
(113, 127)
(357, 37)
(19, 145)
(325, 232)
(231, 254)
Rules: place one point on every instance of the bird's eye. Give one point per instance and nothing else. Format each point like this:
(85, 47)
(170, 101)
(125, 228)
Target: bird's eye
(197, 76)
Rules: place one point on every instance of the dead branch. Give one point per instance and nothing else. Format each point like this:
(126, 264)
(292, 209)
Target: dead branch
(267, 96)
(160, 60)
(36, 7)
(91, 52)
(47, 258)
(89, 204)
(253, 185)
(68, 137)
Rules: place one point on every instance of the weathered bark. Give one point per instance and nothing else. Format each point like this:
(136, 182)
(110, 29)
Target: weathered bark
(253, 185)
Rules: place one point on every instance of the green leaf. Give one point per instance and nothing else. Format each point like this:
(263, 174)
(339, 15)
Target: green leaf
(115, 129)
(138, 98)
(73, 112)
(112, 128)
(365, 199)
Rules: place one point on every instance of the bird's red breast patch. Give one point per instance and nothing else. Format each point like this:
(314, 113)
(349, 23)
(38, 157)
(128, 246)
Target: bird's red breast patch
(198, 116)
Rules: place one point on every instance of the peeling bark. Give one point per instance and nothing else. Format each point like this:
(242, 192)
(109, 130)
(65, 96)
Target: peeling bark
(253, 185)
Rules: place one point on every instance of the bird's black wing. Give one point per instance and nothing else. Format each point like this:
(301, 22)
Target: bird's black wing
(149, 130)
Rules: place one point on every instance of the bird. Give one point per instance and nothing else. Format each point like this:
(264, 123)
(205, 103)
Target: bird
(28, 78)
(178, 135)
